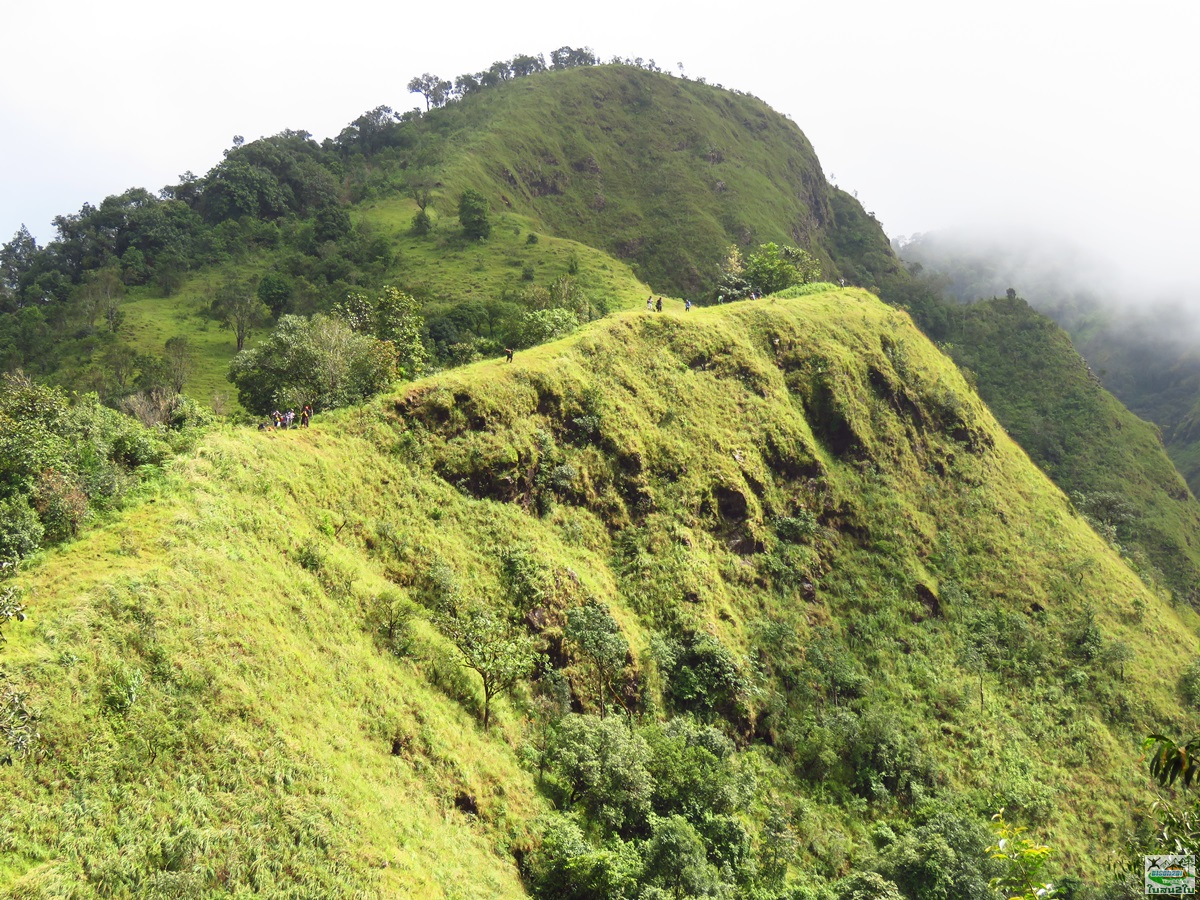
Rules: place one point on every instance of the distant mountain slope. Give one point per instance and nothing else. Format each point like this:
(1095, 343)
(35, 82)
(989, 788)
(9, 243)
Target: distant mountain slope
(1141, 346)
(847, 599)
(1055, 407)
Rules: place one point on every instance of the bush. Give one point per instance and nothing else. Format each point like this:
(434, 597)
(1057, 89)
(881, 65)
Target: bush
(60, 504)
(705, 677)
(21, 530)
(473, 214)
(421, 223)
(866, 886)
(601, 767)
(1189, 685)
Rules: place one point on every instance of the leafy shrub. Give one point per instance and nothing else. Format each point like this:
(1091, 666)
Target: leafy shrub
(21, 530)
(60, 503)
(797, 528)
(567, 867)
(866, 886)
(601, 767)
(389, 618)
(1189, 685)
(18, 722)
(473, 214)
(704, 676)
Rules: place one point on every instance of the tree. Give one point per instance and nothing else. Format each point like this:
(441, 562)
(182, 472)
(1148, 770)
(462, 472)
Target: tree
(773, 268)
(320, 362)
(391, 316)
(397, 320)
(499, 653)
(237, 305)
(16, 263)
(179, 359)
(537, 326)
(1023, 860)
(466, 84)
(675, 859)
(435, 90)
(570, 57)
(101, 296)
(598, 639)
(473, 214)
(275, 291)
(603, 766)
(731, 283)
(522, 64)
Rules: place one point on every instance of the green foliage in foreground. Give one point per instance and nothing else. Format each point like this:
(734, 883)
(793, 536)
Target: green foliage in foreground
(857, 623)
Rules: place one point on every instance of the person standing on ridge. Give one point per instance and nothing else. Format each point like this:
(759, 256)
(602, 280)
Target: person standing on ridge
(658, 305)
(687, 305)
(650, 303)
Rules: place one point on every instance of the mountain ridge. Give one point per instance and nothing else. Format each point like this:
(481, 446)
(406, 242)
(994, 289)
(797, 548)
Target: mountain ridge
(840, 494)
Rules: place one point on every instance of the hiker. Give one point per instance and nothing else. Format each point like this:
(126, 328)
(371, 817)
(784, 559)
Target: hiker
(508, 354)
(687, 305)
(277, 418)
(658, 305)
(289, 418)
(305, 415)
(650, 303)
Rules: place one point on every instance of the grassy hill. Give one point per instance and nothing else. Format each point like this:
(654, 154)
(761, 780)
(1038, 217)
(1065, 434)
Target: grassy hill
(844, 591)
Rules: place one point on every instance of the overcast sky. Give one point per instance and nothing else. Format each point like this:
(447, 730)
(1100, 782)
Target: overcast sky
(1078, 116)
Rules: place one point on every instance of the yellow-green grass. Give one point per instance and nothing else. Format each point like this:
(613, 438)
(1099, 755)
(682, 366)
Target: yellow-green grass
(217, 717)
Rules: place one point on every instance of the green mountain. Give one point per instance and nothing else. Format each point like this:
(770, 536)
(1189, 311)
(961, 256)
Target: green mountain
(749, 600)
(838, 590)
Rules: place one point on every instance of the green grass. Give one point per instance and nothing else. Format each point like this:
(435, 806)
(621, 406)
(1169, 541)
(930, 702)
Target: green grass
(453, 270)
(1042, 391)
(218, 719)
(151, 321)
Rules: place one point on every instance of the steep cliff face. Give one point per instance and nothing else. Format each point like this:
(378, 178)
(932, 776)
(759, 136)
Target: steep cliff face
(840, 587)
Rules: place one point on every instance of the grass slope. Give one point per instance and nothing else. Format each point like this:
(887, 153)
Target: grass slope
(218, 719)
(660, 171)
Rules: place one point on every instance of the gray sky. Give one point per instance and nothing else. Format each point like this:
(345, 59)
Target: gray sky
(1073, 116)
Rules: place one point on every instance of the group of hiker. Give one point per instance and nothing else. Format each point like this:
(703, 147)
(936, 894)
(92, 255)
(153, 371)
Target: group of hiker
(287, 419)
(653, 305)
